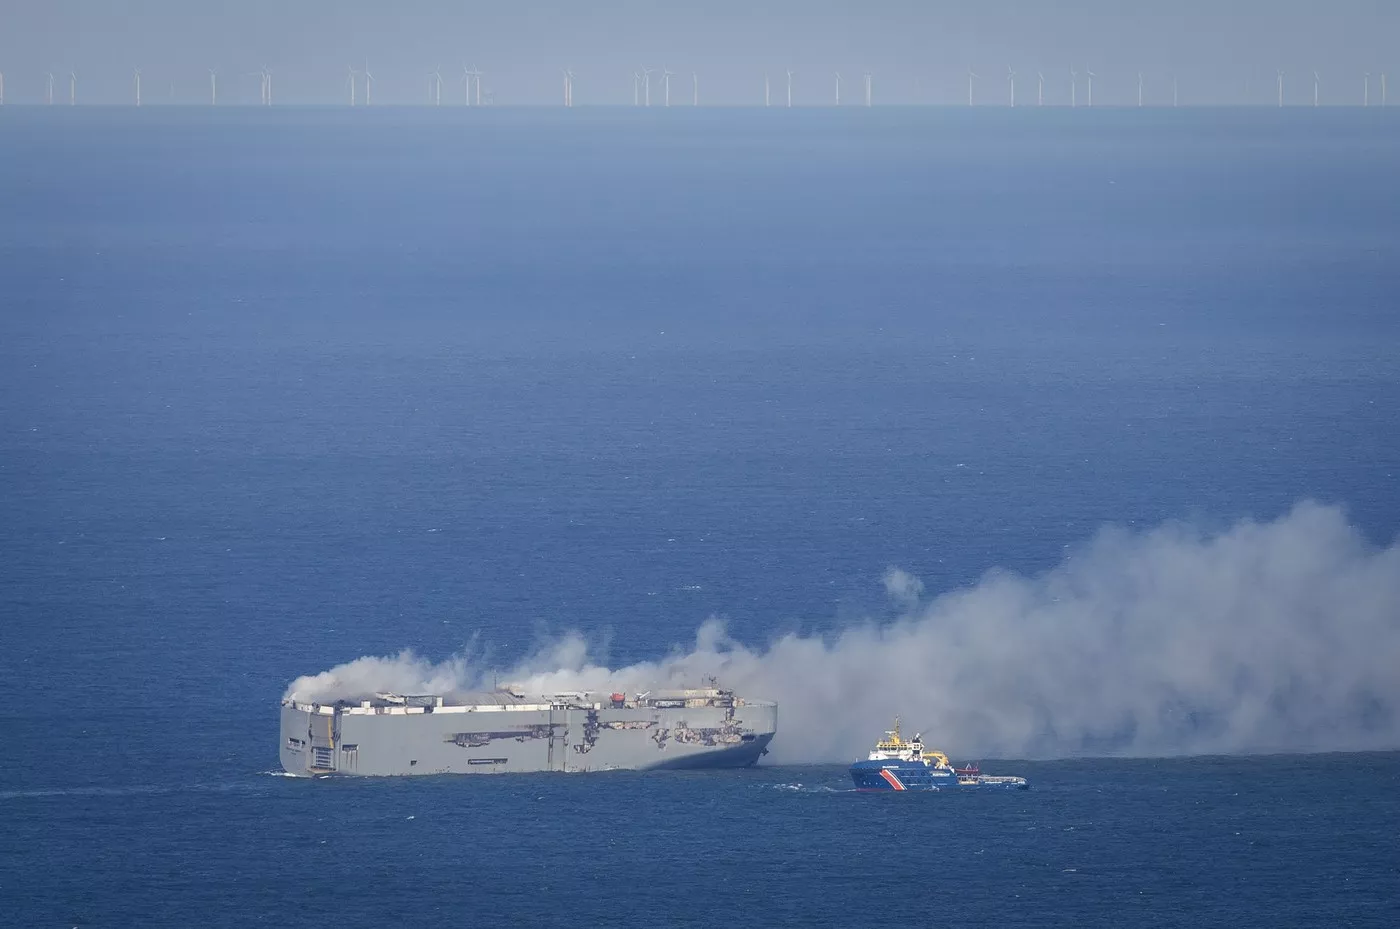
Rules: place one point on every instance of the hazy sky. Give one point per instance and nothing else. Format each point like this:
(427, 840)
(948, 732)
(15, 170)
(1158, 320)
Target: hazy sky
(918, 51)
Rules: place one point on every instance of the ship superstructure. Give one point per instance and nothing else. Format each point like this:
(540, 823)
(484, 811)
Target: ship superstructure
(904, 764)
(508, 731)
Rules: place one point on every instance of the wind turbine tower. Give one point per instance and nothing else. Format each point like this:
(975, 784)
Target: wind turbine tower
(213, 87)
(1073, 88)
(869, 89)
(695, 88)
(1090, 75)
(1317, 88)
(476, 73)
(1011, 76)
(369, 82)
(1280, 87)
(350, 69)
(666, 75)
(838, 88)
(971, 76)
(1382, 88)
(646, 85)
(1139, 90)
(435, 86)
(636, 88)
(72, 88)
(1175, 97)
(767, 91)
(1366, 90)
(137, 78)
(48, 92)
(1040, 88)
(267, 86)
(789, 87)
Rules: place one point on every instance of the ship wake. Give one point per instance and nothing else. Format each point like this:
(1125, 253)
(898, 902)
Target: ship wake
(1263, 637)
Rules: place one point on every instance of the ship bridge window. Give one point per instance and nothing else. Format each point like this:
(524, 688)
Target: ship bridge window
(350, 747)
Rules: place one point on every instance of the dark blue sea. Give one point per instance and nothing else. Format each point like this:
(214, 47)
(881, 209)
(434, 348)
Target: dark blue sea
(1072, 436)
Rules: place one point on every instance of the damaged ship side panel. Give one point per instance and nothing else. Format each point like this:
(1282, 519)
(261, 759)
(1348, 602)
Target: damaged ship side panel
(322, 740)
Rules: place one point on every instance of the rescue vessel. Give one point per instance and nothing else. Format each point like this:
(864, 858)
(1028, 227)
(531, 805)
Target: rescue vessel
(904, 764)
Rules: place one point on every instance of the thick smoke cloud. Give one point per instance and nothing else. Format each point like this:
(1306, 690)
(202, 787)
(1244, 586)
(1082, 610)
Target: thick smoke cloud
(1280, 636)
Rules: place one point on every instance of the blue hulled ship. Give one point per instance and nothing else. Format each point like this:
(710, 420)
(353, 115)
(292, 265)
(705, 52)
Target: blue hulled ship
(899, 764)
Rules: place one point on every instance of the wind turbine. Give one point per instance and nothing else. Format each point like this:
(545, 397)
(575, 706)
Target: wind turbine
(838, 88)
(213, 87)
(1317, 87)
(666, 75)
(869, 89)
(261, 75)
(767, 91)
(475, 72)
(1139, 90)
(789, 87)
(1011, 76)
(646, 85)
(72, 88)
(569, 86)
(1366, 93)
(350, 79)
(369, 82)
(1040, 88)
(1090, 75)
(1280, 87)
(48, 92)
(137, 77)
(695, 84)
(267, 86)
(435, 85)
(2, 88)
(971, 76)
(636, 88)
(1073, 88)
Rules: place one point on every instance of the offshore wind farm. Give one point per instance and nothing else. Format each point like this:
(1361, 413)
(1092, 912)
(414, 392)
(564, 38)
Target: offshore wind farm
(1368, 88)
(1184, 53)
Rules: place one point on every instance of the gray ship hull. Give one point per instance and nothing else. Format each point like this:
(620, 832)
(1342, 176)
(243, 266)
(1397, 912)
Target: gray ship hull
(521, 736)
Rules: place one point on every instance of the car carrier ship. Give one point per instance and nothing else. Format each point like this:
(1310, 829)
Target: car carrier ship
(506, 731)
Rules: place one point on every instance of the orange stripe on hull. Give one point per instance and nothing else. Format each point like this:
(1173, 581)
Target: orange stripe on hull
(894, 782)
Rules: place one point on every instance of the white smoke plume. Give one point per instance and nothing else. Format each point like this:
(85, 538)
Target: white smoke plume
(1279, 636)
